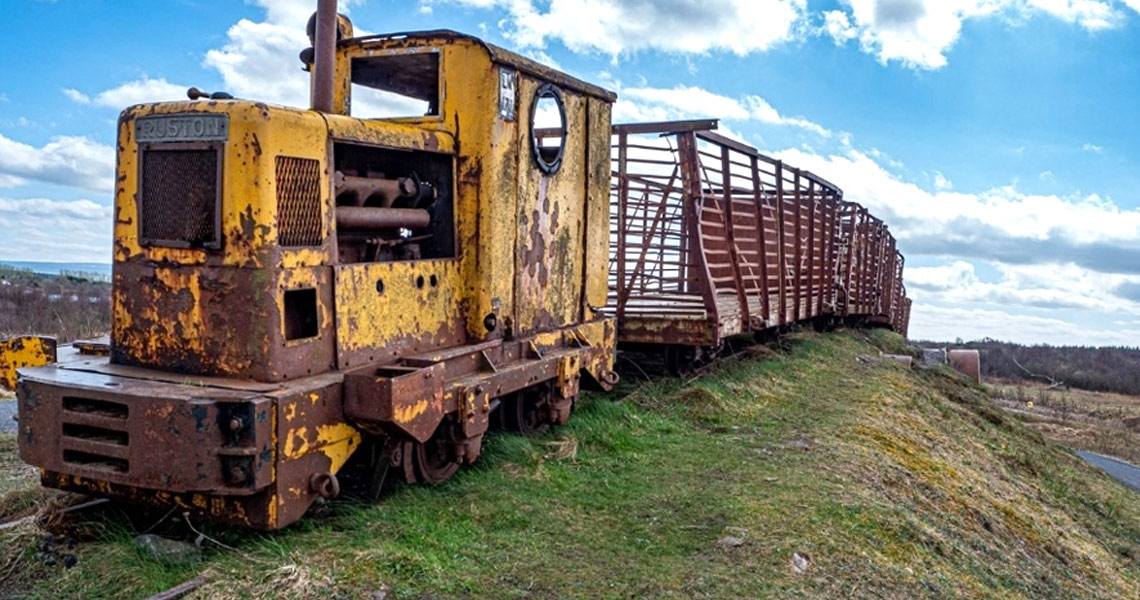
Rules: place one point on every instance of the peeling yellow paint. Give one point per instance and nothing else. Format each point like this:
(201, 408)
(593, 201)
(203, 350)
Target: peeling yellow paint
(258, 134)
(296, 445)
(409, 314)
(338, 442)
(20, 352)
(407, 414)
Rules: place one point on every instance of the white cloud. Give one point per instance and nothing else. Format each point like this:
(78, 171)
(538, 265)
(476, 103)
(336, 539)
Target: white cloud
(838, 26)
(20, 121)
(1001, 223)
(760, 110)
(956, 275)
(43, 207)
(616, 27)
(687, 102)
(1093, 15)
(140, 91)
(259, 59)
(78, 231)
(1092, 148)
(1053, 286)
(941, 183)
(933, 322)
(76, 96)
(296, 13)
(919, 33)
(73, 161)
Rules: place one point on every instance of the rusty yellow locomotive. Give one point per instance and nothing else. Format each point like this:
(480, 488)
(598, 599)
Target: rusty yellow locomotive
(293, 287)
(305, 297)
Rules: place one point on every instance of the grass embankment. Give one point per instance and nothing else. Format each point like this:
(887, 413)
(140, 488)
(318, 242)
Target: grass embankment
(810, 474)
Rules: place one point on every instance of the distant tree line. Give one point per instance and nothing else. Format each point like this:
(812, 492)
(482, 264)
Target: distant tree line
(69, 307)
(1106, 369)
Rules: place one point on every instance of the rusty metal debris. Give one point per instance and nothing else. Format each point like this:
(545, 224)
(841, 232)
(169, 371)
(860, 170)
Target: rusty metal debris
(966, 362)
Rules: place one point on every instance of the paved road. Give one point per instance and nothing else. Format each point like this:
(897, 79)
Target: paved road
(1126, 473)
(7, 411)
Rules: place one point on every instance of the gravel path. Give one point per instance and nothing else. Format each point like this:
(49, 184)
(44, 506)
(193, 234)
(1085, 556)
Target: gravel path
(1126, 473)
(7, 411)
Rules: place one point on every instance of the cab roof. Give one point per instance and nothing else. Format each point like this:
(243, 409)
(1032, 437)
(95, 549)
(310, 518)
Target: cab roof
(443, 37)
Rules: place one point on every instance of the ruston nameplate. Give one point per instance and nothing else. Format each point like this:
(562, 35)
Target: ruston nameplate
(182, 128)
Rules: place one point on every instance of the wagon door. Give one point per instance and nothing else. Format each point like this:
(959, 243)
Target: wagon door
(549, 254)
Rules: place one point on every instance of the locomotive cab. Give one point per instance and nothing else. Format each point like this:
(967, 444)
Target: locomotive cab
(294, 288)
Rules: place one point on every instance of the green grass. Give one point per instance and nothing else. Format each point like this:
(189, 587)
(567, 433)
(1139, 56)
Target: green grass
(893, 484)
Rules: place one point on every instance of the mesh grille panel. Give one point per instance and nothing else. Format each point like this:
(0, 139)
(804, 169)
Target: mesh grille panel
(180, 196)
(298, 201)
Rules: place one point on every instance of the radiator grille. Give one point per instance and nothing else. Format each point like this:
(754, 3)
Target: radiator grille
(179, 199)
(298, 201)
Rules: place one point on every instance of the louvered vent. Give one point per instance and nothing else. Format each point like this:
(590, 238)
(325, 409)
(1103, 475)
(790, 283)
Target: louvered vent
(298, 201)
(179, 197)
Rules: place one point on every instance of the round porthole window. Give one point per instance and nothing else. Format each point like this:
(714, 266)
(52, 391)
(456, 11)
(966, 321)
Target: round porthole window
(548, 127)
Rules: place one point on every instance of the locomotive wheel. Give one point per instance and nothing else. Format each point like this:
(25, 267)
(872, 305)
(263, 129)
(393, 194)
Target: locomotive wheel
(522, 412)
(430, 462)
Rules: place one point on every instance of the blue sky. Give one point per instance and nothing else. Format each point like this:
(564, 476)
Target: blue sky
(995, 136)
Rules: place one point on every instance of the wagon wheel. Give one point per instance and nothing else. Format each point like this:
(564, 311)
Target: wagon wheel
(522, 412)
(428, 462)
(683, 361)
(680, 360)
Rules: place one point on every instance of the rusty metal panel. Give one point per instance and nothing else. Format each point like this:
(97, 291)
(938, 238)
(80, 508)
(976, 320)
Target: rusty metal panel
(246, 208)
(386, 310)
(234, 457)
(598, 205)
(409, 398)
(147, 434)
(220, 321)
(550, 256)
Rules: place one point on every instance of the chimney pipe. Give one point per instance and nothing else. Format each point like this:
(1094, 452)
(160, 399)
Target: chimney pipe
(325, 61)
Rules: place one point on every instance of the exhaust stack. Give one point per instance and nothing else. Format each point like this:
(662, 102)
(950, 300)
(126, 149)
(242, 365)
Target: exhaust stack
(324, 46)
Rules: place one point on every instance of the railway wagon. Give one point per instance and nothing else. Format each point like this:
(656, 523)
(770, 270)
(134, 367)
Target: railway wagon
(295, 290)
(711, 239)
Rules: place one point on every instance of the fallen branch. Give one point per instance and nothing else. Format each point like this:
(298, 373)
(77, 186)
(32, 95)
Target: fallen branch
(180, 590)
(1053, 383)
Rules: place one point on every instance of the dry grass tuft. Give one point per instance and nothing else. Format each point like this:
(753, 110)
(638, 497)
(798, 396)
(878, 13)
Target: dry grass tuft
(299, 578)
(565, 448)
